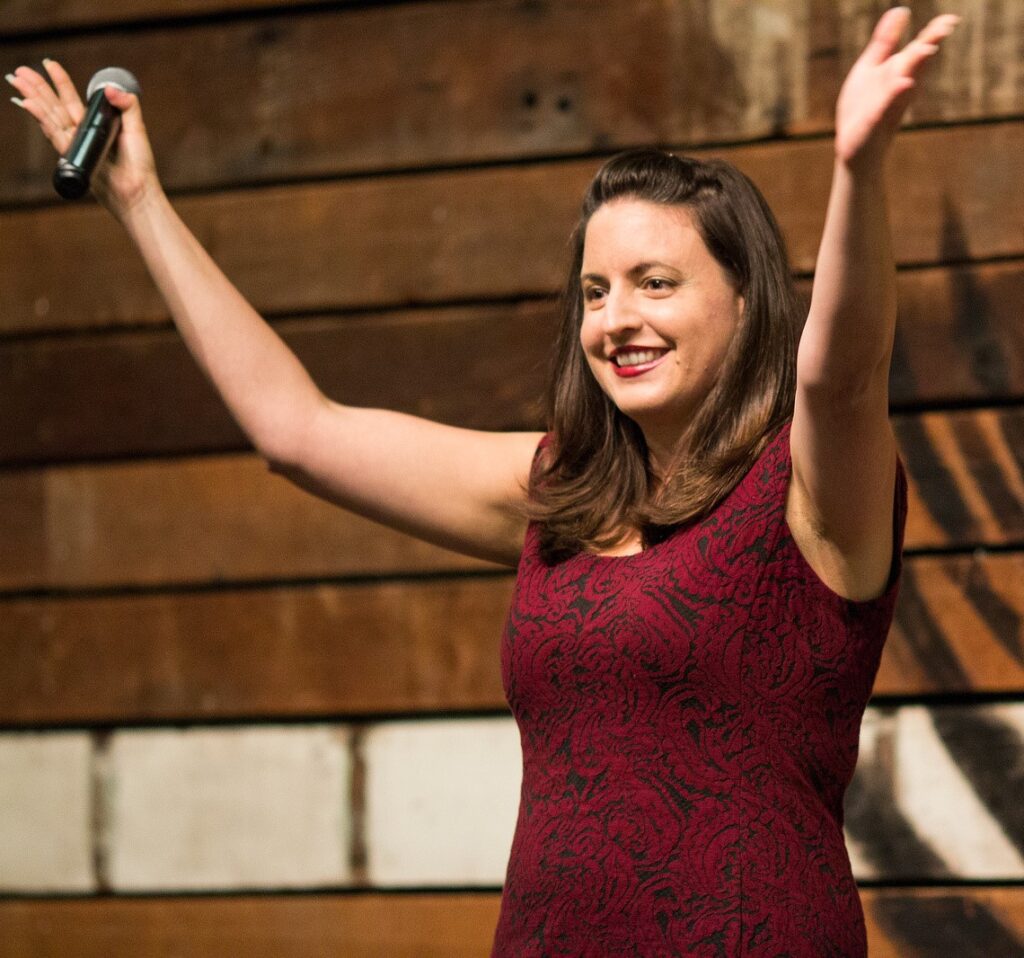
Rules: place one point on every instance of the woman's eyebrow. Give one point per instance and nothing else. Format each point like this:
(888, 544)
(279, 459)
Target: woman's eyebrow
(634, 272)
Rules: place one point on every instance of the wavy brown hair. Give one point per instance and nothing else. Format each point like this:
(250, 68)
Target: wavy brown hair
(593, 483)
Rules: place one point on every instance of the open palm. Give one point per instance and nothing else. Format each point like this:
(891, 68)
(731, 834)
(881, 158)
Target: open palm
(879, 88)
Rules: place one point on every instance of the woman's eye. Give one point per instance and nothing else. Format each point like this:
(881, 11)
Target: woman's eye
(662, 283)
(591, 293)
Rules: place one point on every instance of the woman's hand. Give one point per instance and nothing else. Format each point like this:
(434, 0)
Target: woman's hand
(128, 174)
(880, 86)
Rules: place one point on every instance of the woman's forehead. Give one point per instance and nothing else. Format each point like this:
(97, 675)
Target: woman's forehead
(637, 228)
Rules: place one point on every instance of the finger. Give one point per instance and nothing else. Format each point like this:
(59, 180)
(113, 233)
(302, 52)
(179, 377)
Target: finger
(39, 99)
(66, 90)
(938, 28)
(33, 86)
(131, 111)
(887, 33)
(58, 136)
(910, 58)
(926, 44)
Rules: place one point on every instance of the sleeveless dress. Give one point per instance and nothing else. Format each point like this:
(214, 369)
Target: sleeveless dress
(689, 719)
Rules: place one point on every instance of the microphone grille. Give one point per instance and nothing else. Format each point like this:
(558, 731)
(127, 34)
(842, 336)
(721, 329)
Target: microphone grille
(113, 76)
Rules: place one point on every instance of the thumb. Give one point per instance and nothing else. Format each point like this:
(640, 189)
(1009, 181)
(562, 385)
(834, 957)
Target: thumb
(128, 104)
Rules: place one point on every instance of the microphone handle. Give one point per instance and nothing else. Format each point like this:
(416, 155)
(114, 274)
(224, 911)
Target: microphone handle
(93, 138)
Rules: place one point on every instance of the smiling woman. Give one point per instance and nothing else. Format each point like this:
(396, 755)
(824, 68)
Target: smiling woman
(684, 258)
(707, 539)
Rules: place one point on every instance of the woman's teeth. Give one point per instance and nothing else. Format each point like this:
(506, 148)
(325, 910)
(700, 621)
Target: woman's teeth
(636, 359)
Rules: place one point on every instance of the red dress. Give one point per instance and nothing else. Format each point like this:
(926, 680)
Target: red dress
(689, 719)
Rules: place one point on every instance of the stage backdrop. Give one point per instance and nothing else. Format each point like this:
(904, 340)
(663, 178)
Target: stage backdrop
(236, 721)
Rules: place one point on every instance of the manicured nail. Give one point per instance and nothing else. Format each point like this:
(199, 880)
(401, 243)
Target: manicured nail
(18, 102)
(10, 78)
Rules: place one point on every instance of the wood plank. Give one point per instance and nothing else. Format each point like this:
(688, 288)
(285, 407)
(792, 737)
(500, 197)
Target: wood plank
(928, 922)
(141, 393)
(959, 337)
(215, 519)
(228, 519)
(394, 647)
(959, 627)
(966, 477)
(427, 84)
(37, 16)
(910, 922)
(294, 652)
(478, 234)
(457, 925)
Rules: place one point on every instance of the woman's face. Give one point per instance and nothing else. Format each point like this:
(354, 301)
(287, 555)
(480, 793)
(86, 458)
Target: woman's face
(659, 313)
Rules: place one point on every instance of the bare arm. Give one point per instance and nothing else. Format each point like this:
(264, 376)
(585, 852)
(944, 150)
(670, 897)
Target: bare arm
(843, 449)
(459, 488)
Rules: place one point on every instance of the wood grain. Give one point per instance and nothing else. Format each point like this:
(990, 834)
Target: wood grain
(141, 393)
(966, 477)
(135, 394)
(489, 233)
(323, 93)
(204, 520)
(901, 922)
(18, 16)
(928, 922)
(356, 649)
(407, 646)
(959, 627)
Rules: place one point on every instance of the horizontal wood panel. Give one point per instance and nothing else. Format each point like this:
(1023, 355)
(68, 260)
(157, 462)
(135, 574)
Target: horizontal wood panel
(227, 518)
(141, 393)
(902, 923)
(478, 234)
(18, 16)
(929, 922)
(351, 649)
(218, 519)
(415, 85)
(966, 477)
(399, 647)
(959, 627)
(117, 395)
(355, 926)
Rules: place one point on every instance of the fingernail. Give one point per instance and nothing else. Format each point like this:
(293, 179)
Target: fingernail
(10, 78)
(18, 102)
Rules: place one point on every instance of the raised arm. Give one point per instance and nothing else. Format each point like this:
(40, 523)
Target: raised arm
(843, 450)
(459, 488)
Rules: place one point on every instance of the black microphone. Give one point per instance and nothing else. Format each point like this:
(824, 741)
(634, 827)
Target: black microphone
(94, 135)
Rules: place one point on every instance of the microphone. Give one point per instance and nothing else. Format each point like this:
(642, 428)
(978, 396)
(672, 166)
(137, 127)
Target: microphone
(95, 134)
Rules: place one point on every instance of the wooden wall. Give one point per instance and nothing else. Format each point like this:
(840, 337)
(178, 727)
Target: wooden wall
(392, 185)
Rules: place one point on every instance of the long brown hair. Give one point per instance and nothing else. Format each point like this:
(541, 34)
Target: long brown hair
(594, 481)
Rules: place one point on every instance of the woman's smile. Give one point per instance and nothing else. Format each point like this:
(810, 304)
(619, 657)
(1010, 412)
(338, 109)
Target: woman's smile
(633, 362)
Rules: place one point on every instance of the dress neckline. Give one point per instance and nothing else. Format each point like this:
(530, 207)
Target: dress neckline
(643, 552)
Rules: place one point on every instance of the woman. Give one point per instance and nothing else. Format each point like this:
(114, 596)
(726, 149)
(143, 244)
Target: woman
(707, 539)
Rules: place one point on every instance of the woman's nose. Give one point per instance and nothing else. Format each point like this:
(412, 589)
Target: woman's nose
(620, 312)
